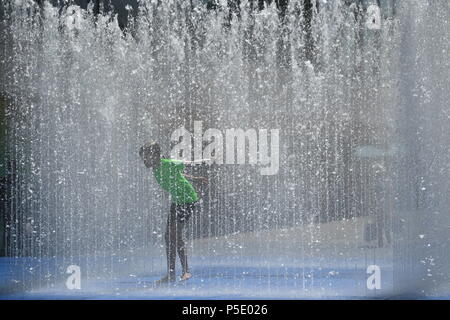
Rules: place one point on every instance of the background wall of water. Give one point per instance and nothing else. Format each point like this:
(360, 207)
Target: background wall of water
(423, 127)
(83, 95)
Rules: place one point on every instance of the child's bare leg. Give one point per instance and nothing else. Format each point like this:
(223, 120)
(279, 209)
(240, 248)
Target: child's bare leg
(181, 248)
(185, 212)
(171, 241)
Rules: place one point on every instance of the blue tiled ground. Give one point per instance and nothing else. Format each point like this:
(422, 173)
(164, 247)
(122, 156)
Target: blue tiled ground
(26, 278)
(211, 280)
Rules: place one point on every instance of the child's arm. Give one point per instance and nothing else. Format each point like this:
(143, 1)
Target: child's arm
(201, 179)
(199, 161)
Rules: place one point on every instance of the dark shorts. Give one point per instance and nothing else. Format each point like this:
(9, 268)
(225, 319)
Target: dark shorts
(182, 212)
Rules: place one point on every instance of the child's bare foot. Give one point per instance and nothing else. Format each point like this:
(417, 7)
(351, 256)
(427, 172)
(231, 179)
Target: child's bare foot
(165, 279)
(186, 276)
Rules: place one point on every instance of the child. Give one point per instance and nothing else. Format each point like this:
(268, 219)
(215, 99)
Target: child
(169, 175)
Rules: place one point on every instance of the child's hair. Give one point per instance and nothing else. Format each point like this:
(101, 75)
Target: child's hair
(150, 149)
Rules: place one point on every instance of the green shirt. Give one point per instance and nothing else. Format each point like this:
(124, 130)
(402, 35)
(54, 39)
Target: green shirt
(170, 177)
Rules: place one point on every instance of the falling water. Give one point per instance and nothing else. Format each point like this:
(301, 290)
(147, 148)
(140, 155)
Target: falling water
(349, 99)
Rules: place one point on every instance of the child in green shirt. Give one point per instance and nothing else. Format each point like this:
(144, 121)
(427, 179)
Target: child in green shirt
(169, 175)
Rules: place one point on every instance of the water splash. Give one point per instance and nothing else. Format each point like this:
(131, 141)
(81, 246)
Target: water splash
(85, 95)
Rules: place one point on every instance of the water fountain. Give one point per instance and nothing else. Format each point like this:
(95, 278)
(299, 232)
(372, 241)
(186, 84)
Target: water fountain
(359, 177)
